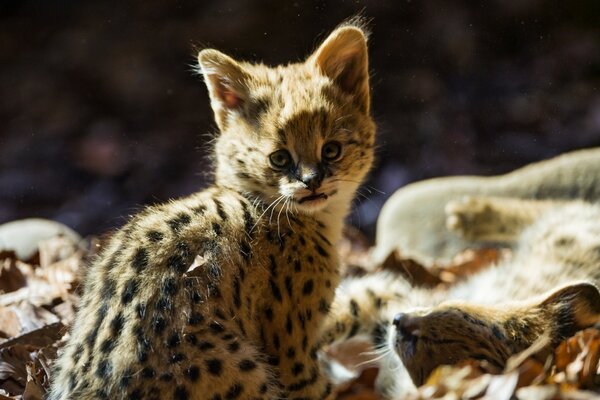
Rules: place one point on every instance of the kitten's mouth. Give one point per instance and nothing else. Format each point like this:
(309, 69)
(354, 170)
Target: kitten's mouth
(313, 198)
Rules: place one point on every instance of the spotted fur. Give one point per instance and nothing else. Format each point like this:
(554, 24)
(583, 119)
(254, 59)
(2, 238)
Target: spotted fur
(545, 292)
(220, 295)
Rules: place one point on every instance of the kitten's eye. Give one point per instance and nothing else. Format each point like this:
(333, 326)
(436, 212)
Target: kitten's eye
(331, 151)
(280, 159)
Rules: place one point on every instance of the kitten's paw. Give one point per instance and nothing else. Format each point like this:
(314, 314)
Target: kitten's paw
(470, 217)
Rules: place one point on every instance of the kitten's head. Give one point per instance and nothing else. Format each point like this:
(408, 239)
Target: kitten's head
(299, 134)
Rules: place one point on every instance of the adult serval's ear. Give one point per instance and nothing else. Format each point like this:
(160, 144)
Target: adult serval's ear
(571, 308)
(343, 58)
(226, 81)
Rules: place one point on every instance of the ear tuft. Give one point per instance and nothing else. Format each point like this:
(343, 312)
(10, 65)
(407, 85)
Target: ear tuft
(343, 57)
(226, 81)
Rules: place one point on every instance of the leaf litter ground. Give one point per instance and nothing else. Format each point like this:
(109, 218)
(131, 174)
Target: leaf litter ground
(38, 299)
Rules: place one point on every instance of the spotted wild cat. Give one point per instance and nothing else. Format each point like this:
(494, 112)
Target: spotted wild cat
(220, 295)
(547, 289)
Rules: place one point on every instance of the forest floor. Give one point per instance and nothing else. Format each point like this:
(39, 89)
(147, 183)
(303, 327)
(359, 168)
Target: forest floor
(38, 298)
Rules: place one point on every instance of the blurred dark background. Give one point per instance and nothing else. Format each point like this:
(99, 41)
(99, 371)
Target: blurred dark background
(101, 113)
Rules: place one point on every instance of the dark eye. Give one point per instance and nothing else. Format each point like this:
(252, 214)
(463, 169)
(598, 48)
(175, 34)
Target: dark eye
(280, 159)
(331, 151)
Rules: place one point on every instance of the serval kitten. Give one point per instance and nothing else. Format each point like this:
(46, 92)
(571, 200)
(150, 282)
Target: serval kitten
(544, 293)
(220, 295)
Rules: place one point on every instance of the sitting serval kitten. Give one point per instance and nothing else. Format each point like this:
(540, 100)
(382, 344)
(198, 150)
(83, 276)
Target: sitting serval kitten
(546, 290)
(220, 295)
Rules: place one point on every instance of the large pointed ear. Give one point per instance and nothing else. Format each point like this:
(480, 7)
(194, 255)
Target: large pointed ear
(343, 58)
(572, 308)
(226, 81)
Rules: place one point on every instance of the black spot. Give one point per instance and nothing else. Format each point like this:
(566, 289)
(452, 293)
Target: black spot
(169, 286)
(181, 220)
(143, 345)
(104, 369)
(496, 331)
(301, 384)
(173, 341)
(216, 328)
(273, 360)
(116, 325)
(247, 365)
(245, 251)
(200, 209)
(354, 309)
(154, 236)
(159, 324)
(164, 304)
(323, 238)
(288, 325)
(214, 366)
(272, 265)
(192, 373)
(237, 301)
(191, 338)
(310, 259)
(109, 288)
(297, 368)
(321, 251)
(140, 310)
(148, 373)
(263, 388)
(323, 306)
(205, 345)
(275, 290)
(137, 394)
(233, 347)
(129, 291)
(291, 352)
(248, 220)
(216, 227)
(177, 263)
(181, 393)
(195, 296)
(308, 287)
(166, 377)
(234, 391)
(297, 266)
(269, 314)
(304, 343)
(107, 345)
(195, 319)
(354, 329)
(140, 259)
(288, 285)
(276, 342)
(220, 210)
(177, 358)
(379, 335)
(125, 379)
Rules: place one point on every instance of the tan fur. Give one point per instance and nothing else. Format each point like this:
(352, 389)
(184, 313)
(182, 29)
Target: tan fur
(413, 219)
(220, 295)
(546, 289)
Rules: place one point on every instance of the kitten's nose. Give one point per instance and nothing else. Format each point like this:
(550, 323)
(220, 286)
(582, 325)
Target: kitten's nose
(407, 325)
(310, 176)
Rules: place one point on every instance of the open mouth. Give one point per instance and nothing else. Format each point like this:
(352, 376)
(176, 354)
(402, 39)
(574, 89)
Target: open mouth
(313, 197)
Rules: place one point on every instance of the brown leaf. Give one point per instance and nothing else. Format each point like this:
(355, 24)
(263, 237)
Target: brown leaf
(410, 270)
(11, 277)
